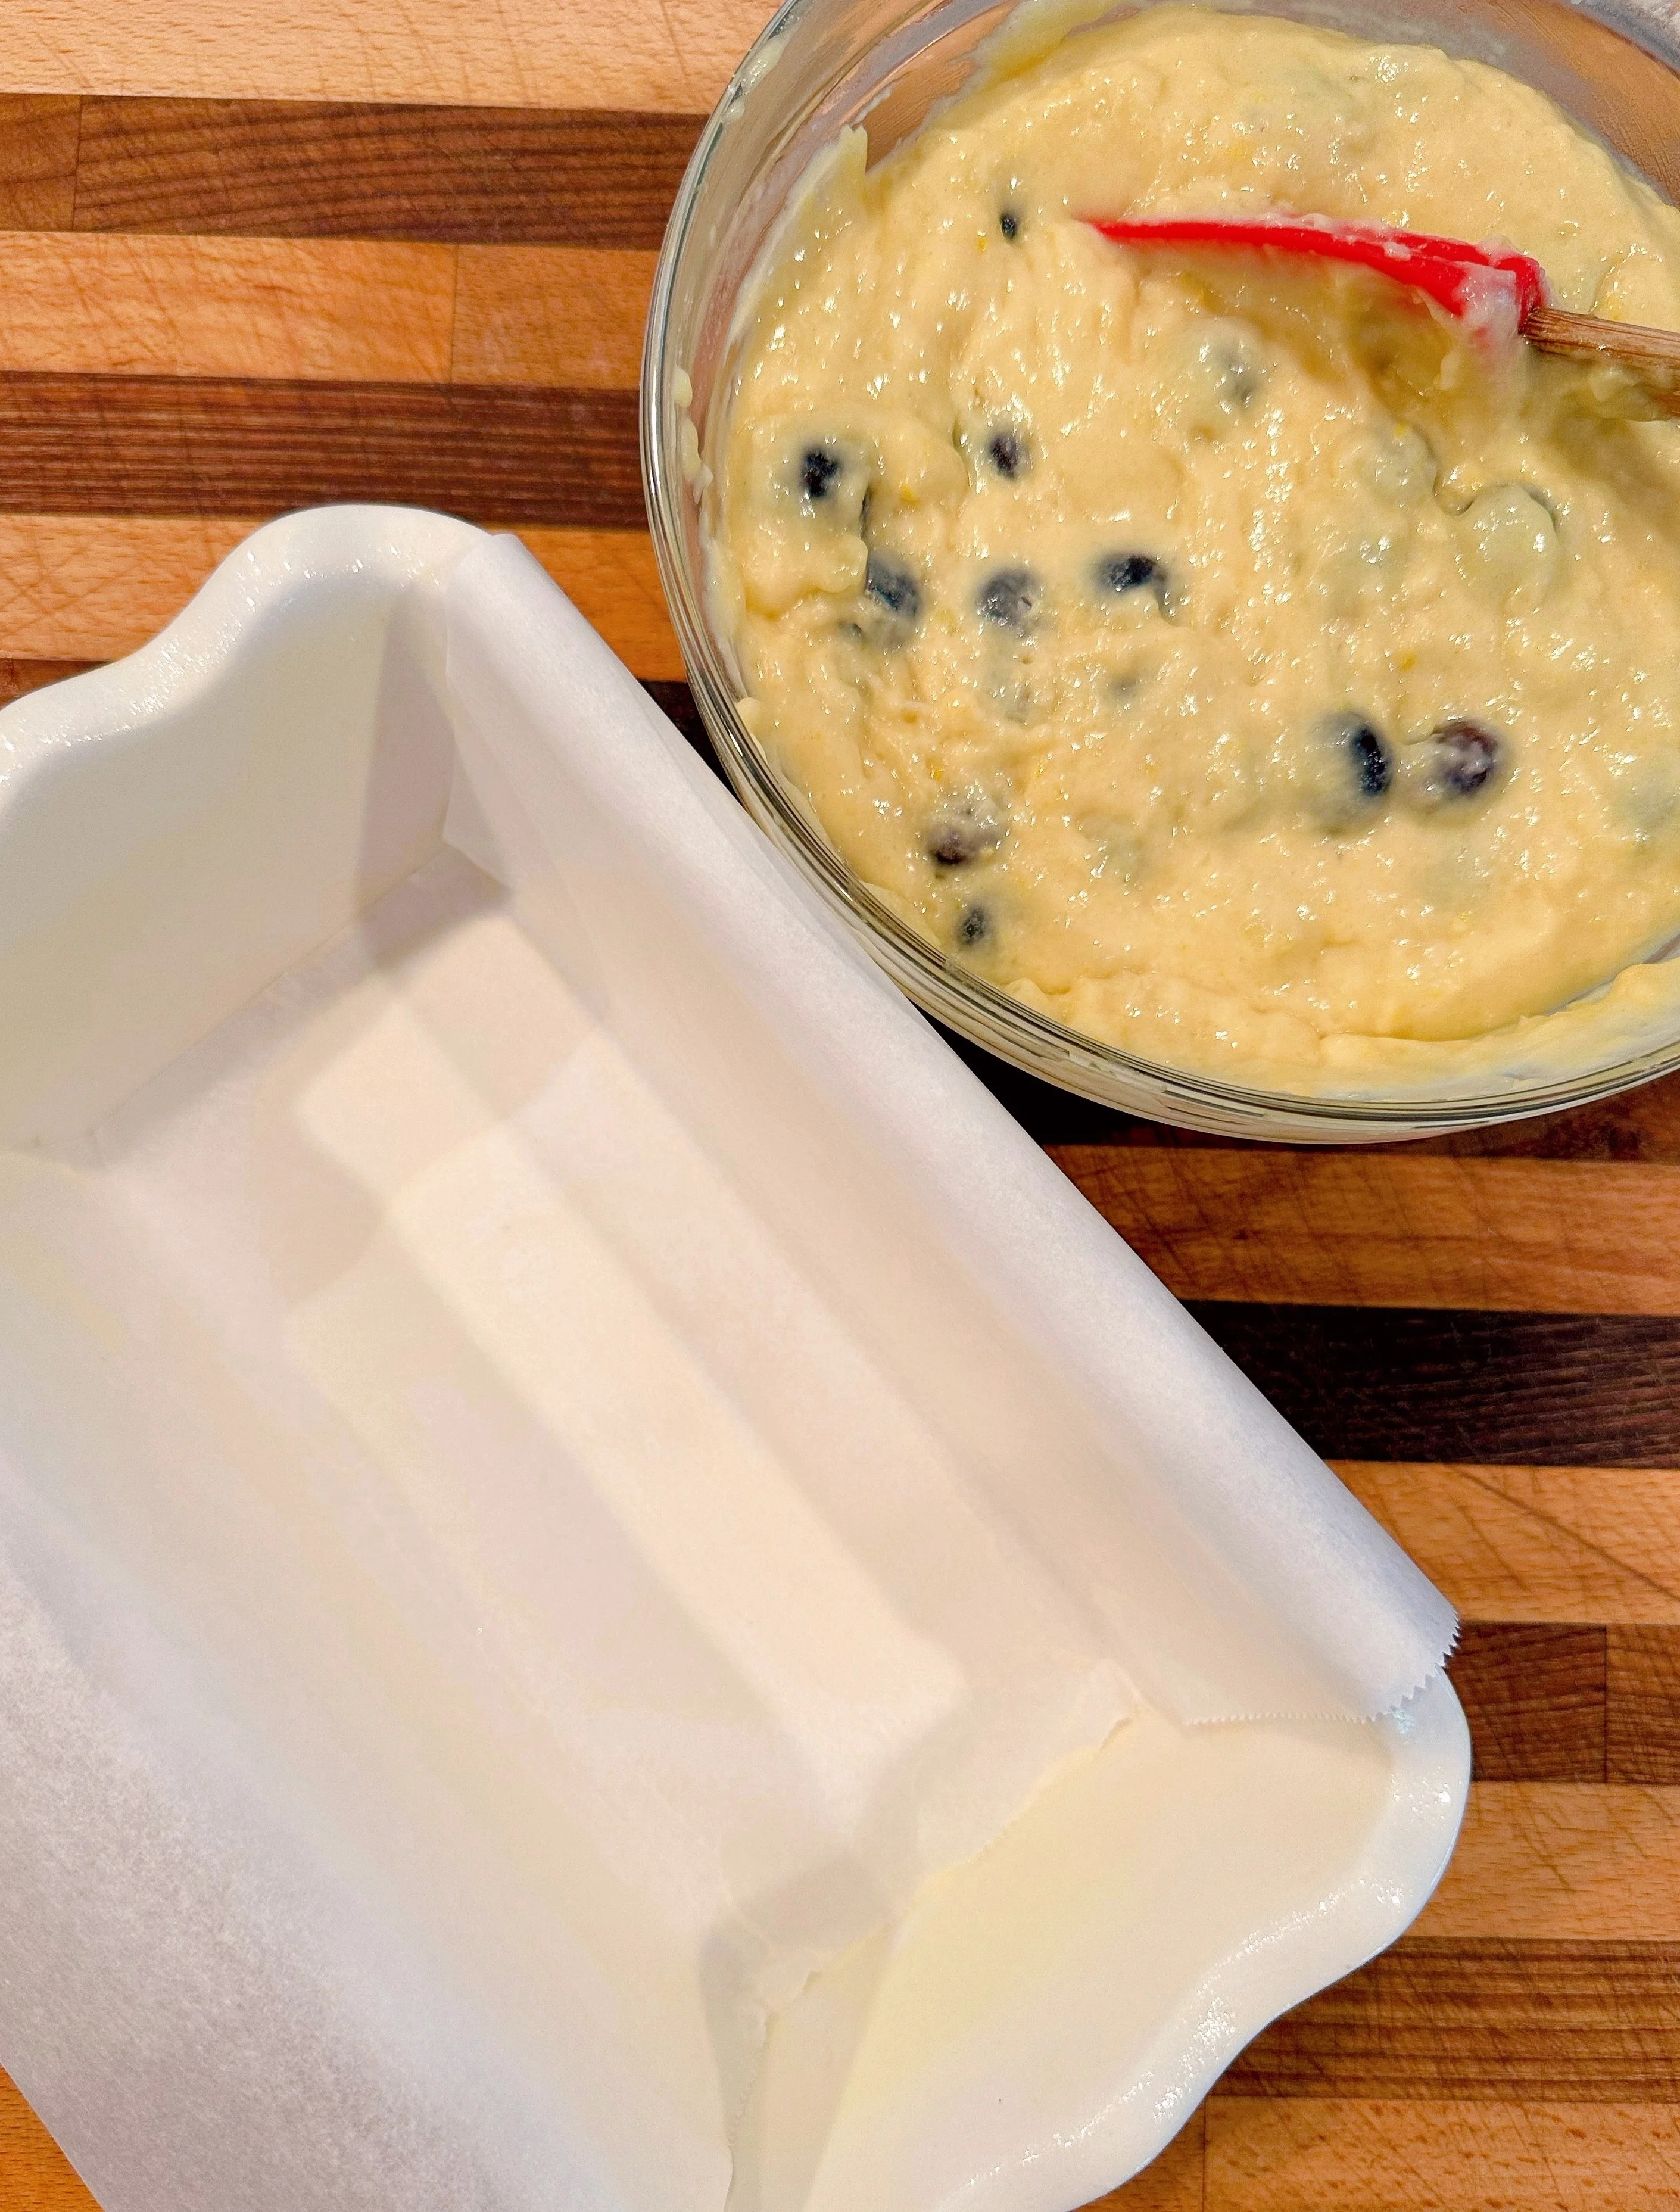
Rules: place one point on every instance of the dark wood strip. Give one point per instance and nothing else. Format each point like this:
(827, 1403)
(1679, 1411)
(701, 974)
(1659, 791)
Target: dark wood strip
(38, 142)
(1638, 1125)
(1432, 2017)
(182, 446)
(676, 700)
(1535, 1695)
(17, 676)
(1642, 1696)
(343, 169)
(1382, 1382)
(1563, 1702)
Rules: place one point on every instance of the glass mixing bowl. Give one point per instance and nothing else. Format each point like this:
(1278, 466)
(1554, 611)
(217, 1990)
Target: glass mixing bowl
(822, 64)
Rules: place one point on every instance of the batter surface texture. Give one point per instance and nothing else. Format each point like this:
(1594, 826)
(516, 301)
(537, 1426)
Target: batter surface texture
(1231, 660)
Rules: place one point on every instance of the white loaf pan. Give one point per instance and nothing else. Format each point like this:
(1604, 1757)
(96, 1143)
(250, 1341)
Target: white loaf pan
(358, 1230)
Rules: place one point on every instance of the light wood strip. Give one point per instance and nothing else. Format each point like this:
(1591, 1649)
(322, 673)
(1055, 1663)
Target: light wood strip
(1562, 1862)
(38, 151)
(322, 309)
(612, 578)
(713, 35)
(1300, 2154)
(88, 587)
(92, 587)
(538, 314)
(1352, 1229)
(1587, 1544)
(225, 307)
(283, 168)
(613, 53)
(35, 2176)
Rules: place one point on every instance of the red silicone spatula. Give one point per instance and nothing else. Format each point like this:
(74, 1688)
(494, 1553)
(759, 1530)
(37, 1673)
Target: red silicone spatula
(1502, 292)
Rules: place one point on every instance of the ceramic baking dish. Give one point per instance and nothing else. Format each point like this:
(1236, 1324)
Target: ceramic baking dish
(534, 1390)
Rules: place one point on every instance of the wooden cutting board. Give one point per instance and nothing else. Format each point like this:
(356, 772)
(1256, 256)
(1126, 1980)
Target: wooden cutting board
(252, 258)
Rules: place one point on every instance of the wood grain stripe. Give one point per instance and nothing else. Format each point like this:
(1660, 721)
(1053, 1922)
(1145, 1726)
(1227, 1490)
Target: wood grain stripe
(330, 309)
(611, 578)
(1588, 1544)
(1295, 2155)
(1392, 1230)
(1536, 1696)
(35, 2176)
(1550, 1701)
(526, 176)
(1642, 1705)
(520, 53)
(1638, 1124)
(174, 445)
(227, 307)
(1380, 1383)
(86, 587)
(1481, 2020)
(676, 700)
(551, 315)
(1544, 1862)
(38, 148)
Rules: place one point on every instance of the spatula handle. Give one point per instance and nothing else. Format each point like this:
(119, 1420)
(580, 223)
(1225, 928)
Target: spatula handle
(1649, 360)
